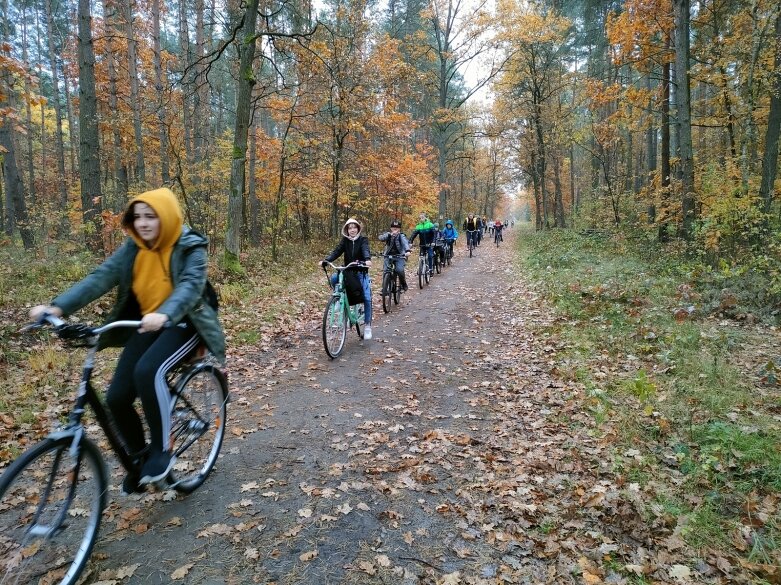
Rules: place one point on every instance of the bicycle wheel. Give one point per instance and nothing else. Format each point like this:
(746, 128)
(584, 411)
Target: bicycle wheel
(360, 320)
(334, 327)
(386, 292)
(396, 289)
(427, 272)
(421, 271)
(437, 266)
(471, 247)
(198, 419)
(50, 508)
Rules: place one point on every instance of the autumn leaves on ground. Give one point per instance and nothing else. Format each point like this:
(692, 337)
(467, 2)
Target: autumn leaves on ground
(456, 447)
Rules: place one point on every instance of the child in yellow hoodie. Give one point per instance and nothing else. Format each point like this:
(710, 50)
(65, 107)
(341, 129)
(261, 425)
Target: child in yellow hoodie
(160, 276)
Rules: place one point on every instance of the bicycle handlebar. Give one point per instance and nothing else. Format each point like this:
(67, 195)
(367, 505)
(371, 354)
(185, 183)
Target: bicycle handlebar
(75, 331)
(353, 264)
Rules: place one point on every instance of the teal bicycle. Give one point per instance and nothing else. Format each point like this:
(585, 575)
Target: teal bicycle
(339, 315)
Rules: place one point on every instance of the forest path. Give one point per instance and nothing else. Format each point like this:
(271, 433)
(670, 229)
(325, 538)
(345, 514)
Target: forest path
(439, 452)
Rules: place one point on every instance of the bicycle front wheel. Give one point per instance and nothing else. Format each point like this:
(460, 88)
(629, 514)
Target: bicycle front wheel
(51, 501)
(396, 289)
(198, 420)
(422, 268)
(334, 327)
(386, 292)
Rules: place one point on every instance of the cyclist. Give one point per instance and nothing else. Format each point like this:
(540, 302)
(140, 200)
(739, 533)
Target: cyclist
(425, 229)
(397, 244)
(498, 226)
(355, 247)
(450, 234)
(160, 276)
(470, 227)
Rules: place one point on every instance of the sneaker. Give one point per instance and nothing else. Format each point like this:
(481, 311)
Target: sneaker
(130, 485)
(367, 332)
(157, 467)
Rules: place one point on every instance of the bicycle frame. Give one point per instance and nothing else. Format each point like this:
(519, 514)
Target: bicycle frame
(87, 395)
(340, 292)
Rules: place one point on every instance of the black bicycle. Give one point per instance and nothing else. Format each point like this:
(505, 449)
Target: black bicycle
(448, 249)
(424, 271)
(53, 495)
(391, 288)
(471, 236)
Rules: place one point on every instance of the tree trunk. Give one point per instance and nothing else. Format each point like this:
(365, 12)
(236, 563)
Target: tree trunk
(120, 169)
(683, 99)
(29, 112)
(186, 62)
(558, 209)
(665, 122)
(770, 158)
(73, 129)
(58, 140)
(89, 143)
(162, 130)
(246, 80)
(135, 97)
(14, 191)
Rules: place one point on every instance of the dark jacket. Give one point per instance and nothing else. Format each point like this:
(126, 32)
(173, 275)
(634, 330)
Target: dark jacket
(188, 275)
(401, 243)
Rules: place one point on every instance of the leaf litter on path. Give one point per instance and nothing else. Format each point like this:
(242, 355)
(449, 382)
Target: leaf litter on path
(470, 463)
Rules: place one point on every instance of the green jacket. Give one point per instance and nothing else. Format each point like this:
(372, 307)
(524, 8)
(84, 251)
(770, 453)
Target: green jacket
(188, 276)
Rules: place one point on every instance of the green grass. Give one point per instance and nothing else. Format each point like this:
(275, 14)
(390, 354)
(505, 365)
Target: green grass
(665, 383)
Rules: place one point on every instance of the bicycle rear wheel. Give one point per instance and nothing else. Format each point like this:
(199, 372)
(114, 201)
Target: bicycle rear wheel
(396, 289)
(50, 508)
(386, 292)
(334, 327)
(198, 418)
(437, 265)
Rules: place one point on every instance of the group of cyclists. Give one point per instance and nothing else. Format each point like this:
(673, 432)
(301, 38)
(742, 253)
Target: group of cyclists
(476, 226)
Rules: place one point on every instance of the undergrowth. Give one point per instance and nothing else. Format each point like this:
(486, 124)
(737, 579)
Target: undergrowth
(650, 338)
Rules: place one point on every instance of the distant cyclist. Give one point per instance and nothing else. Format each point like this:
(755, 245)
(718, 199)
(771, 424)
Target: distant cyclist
(355, 247)
(397, 244)
(425, 229)
(449, 234)
(470, 227)
(498, 226)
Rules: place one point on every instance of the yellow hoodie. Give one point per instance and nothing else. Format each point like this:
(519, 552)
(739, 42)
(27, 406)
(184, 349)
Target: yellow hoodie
(152, 283)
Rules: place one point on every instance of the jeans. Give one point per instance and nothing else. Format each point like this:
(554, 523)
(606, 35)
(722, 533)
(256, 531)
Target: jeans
(367, 294)
(399, 264)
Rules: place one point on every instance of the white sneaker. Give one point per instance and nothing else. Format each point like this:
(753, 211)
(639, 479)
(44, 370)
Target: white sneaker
(367, 332)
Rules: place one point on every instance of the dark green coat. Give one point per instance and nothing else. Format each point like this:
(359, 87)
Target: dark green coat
(188, 276)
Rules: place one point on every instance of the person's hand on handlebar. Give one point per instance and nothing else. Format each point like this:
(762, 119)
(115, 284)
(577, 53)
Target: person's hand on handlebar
(152, 322)
(39, 311)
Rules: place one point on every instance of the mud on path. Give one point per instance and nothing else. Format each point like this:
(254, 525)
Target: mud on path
(439, 452)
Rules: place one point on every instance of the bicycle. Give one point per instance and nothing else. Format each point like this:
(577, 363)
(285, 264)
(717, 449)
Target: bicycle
(53, 495)
(339, 314)
(498, 237)
(424, 272)
(391, 289)
(438, 257)
(448, 248)
(470, 240)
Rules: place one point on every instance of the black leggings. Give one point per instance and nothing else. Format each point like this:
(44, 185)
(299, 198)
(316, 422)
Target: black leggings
(141, 370)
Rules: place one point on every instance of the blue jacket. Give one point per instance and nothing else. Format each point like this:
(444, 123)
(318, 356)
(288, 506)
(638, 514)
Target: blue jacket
(449, 233)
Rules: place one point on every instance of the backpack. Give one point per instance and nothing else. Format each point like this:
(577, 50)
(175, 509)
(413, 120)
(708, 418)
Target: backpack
(211, 296)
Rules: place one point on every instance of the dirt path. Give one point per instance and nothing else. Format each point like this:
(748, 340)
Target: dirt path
(439, 452)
